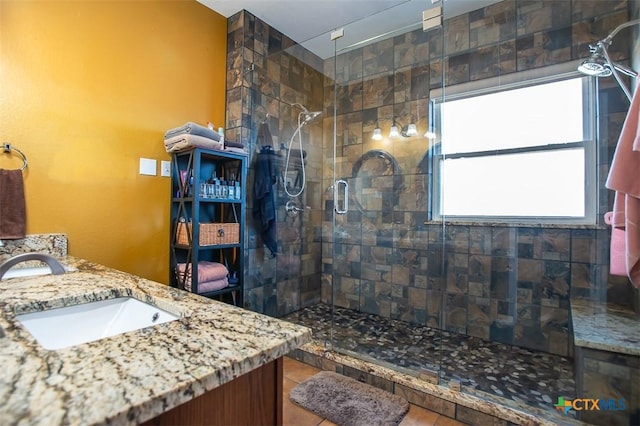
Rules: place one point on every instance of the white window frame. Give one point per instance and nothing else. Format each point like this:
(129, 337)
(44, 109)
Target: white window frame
(512, 81)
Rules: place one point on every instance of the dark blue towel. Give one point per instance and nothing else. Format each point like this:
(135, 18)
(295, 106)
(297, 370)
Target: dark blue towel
(264, 206)
(264, 136)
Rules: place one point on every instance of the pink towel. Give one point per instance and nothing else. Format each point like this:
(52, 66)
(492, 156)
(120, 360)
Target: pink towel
(207, 271)
(617, 254)
(204, 287)
(624, 178)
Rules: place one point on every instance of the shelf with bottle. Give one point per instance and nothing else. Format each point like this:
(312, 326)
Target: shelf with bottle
(207, 213)
(215, 188)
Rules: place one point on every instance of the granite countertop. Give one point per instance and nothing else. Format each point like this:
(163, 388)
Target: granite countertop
(607, 327)
(131, 377)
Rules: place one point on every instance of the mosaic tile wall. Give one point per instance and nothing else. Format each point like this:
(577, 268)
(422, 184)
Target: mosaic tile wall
(267, 72)
(510, 284)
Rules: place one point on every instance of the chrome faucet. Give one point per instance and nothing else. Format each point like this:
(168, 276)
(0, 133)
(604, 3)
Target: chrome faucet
(55, 266)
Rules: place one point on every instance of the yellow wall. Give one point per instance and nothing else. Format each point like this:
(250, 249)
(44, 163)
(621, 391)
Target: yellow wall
(86, 89)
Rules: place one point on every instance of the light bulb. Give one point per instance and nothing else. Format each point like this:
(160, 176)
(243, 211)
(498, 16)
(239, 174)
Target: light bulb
(412, 130)
(377, 134)
(393, 133)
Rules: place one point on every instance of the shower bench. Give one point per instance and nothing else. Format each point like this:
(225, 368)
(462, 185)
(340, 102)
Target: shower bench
(607, 357)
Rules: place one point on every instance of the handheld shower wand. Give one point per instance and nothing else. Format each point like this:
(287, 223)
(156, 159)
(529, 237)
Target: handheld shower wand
(305, 117)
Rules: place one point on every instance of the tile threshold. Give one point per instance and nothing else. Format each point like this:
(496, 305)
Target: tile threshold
(315, 353)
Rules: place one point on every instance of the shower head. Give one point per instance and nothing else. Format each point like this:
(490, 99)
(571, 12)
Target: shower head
(310, 116)
(596, 65)
(599, 64)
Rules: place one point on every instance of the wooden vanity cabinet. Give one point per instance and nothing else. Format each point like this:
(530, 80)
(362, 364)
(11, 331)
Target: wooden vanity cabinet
(254, 398)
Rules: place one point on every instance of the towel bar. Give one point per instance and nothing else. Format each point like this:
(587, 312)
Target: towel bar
(9, 149)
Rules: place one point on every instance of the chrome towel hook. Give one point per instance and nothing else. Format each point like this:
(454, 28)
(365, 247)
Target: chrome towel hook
(9, 149)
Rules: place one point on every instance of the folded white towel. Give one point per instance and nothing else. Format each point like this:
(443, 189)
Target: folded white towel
(186, 141)
(193, 129)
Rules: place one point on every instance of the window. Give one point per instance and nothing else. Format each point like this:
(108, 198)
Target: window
(518, 152)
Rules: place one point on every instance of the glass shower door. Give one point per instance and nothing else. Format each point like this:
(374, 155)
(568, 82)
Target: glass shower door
(383, 275)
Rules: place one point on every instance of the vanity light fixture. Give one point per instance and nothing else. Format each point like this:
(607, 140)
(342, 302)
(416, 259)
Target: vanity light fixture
(394, 133)
(407, 131)
(431, 131)
(411, 130)
(377, 133)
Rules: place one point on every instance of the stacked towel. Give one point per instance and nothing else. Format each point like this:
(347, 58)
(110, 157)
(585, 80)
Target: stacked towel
(191, 135)
(186, 141)
(193, 129)
(13, 218)
(209, 285)
(211, 276)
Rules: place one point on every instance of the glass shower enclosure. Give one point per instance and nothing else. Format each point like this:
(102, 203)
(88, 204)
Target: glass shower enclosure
(481, 299)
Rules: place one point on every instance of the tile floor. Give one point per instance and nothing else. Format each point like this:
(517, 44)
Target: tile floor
(295, 372)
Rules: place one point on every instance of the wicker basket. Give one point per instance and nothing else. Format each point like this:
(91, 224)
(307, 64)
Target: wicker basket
(211, 233)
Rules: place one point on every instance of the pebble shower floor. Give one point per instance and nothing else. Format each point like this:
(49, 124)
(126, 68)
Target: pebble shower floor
(484, 368)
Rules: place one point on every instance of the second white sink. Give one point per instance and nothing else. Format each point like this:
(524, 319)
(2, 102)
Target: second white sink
(72, 325)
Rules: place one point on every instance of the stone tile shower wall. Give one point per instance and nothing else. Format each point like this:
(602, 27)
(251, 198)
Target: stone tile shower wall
(267, 71)
(511, 284)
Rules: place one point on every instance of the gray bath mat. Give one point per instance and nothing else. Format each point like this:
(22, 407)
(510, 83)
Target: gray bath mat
(347, 402)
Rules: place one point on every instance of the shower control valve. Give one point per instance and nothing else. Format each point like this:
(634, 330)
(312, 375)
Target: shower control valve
(291, 207)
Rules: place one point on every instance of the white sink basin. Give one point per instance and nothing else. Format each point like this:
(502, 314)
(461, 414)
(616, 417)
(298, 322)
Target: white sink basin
(73, 325)
(33, 271)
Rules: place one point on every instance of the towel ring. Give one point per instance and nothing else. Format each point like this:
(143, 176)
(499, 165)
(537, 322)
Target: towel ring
(9, 149)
